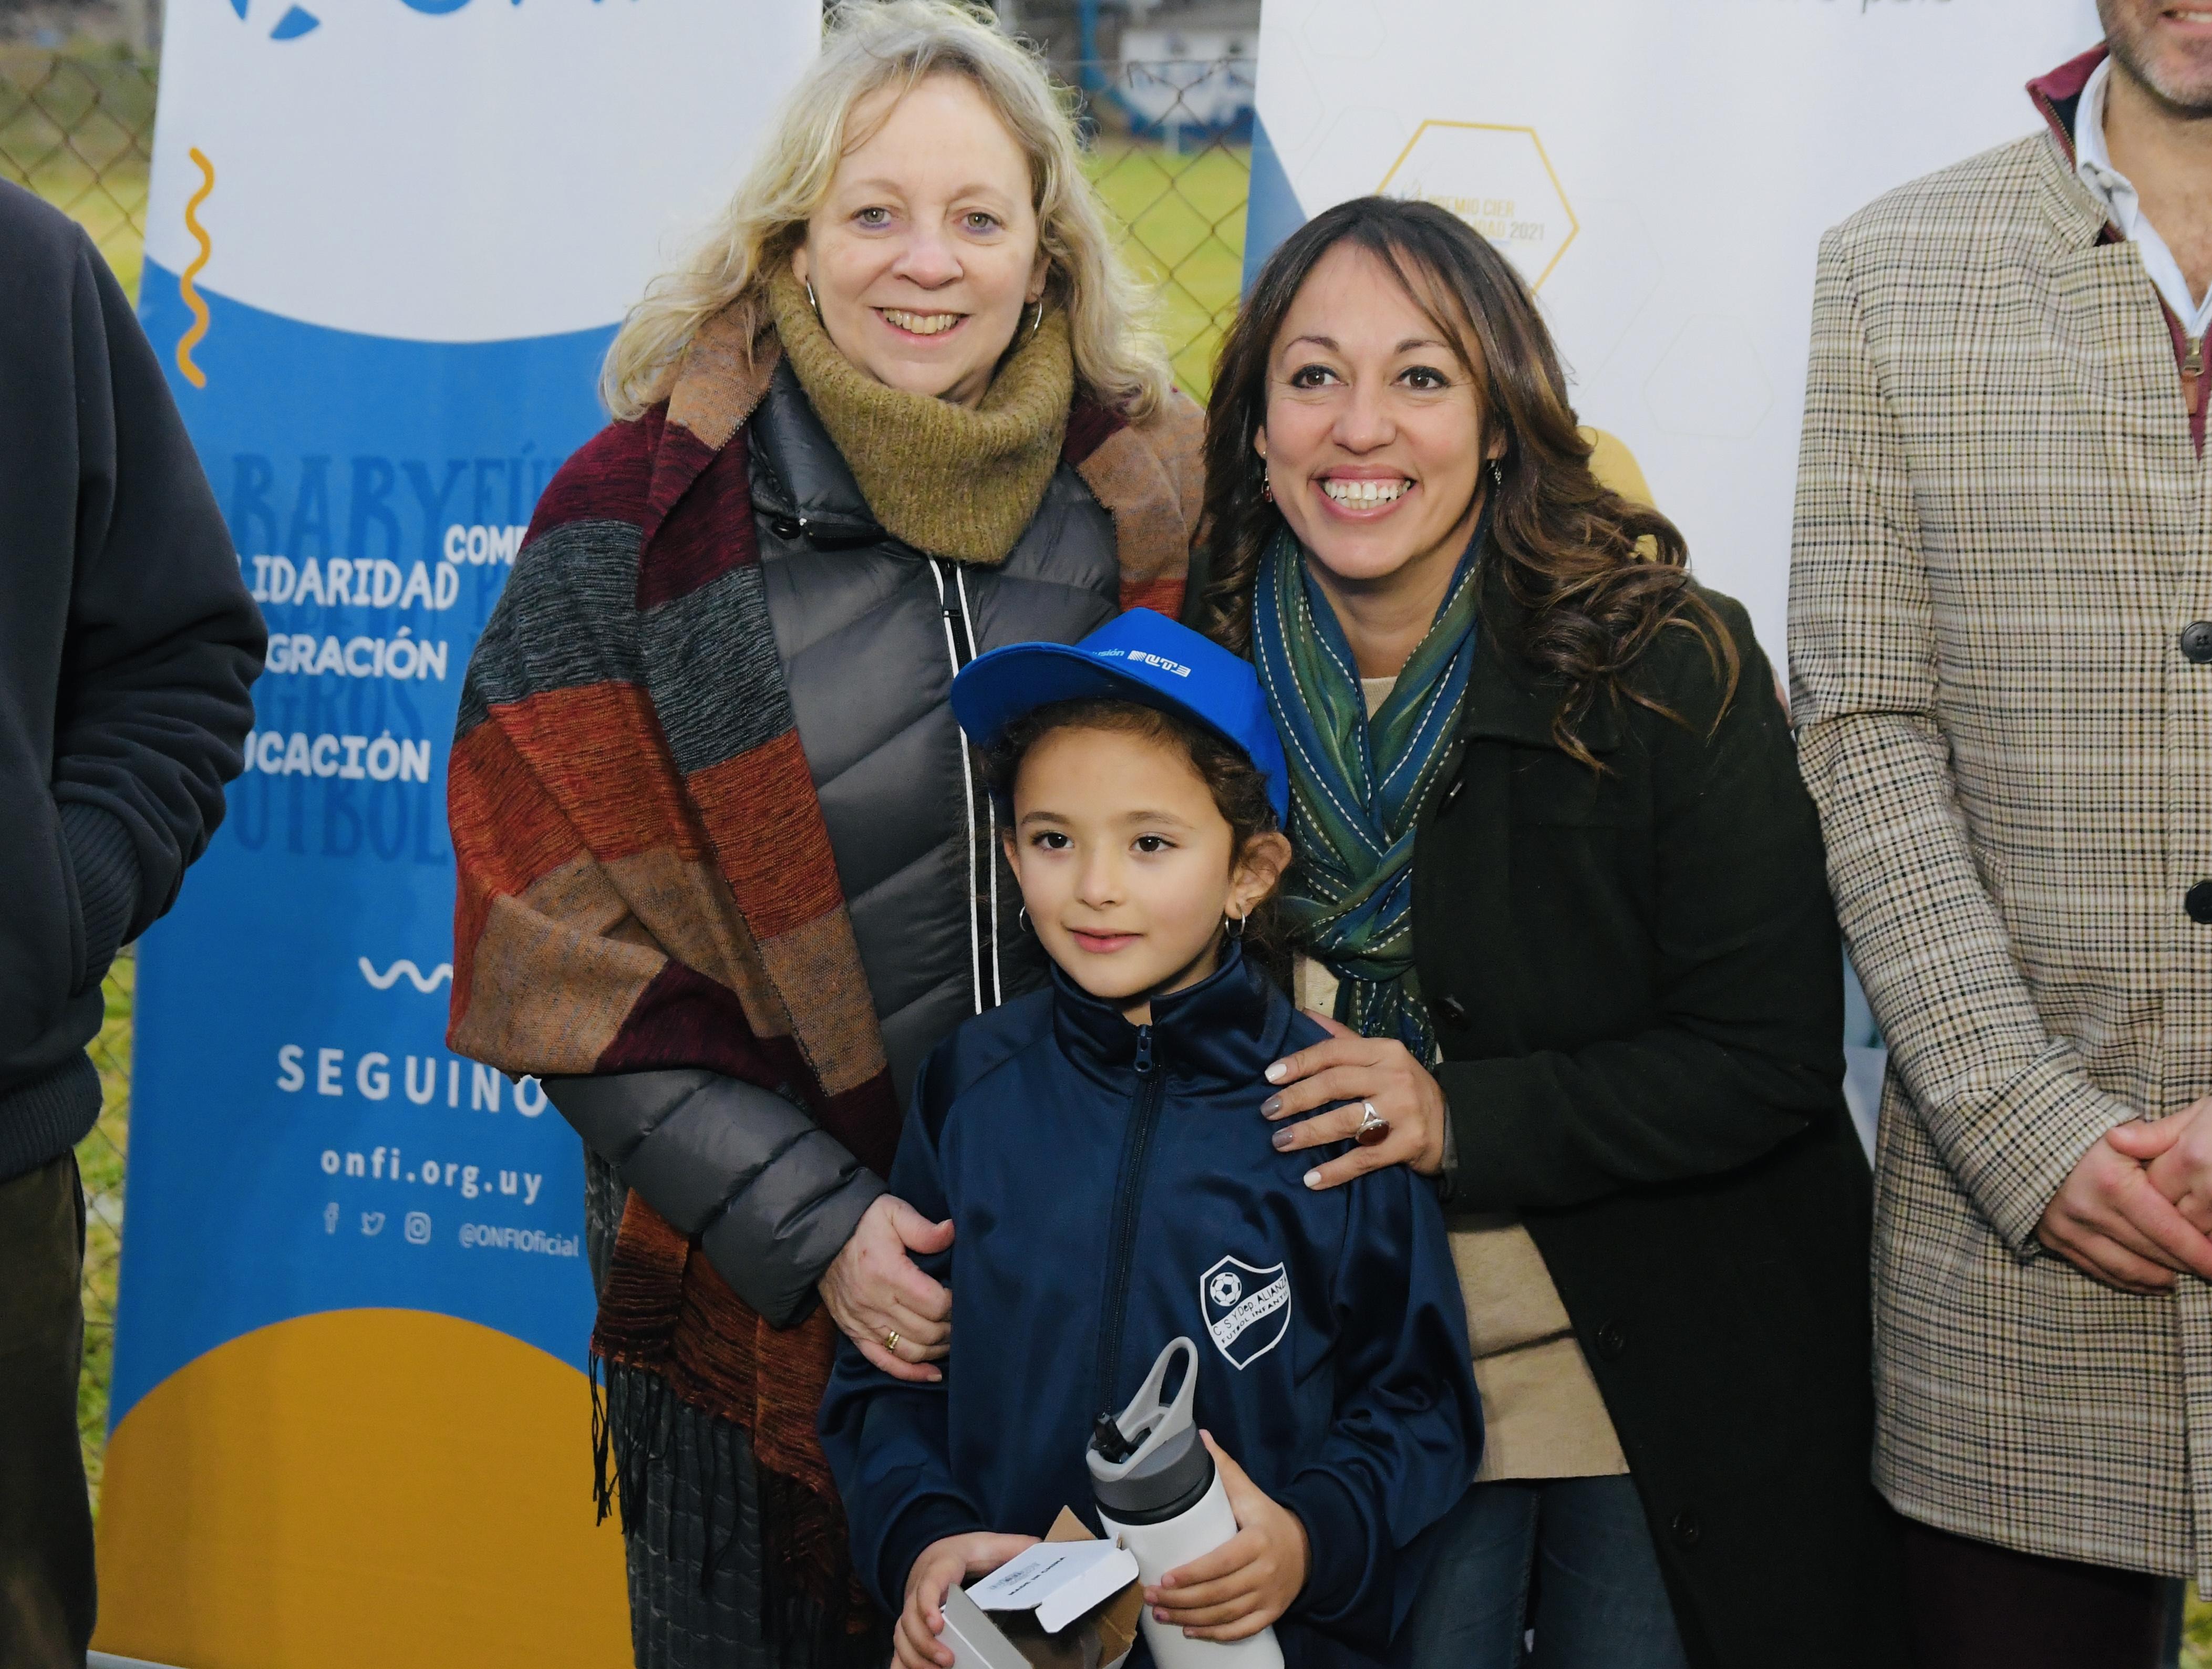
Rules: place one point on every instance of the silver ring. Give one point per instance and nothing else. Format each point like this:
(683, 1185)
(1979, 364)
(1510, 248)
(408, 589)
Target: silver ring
(1370, 1120)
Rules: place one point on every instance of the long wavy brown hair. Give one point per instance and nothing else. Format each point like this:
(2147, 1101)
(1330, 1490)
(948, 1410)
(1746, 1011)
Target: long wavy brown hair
(1599, 575)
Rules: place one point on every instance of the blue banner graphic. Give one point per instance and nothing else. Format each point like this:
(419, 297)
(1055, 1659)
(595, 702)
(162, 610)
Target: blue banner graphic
(377, 491)
(388, 242)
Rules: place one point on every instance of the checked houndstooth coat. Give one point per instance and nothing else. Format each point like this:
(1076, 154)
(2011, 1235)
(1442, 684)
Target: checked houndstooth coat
(2003, 529)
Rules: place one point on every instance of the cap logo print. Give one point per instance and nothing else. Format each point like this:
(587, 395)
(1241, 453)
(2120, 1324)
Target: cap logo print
(1247, 1308)
(1148, 658)
(1139, 657)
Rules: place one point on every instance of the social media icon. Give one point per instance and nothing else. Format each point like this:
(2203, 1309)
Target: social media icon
(372, 1222)
(417, 1227)
(331, 1219)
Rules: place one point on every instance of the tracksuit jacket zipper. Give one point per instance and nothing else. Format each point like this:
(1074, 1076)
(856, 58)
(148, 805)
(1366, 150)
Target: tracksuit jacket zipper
(1128, 1201)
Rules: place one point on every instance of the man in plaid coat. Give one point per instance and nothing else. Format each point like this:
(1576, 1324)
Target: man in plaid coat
(2000, 627)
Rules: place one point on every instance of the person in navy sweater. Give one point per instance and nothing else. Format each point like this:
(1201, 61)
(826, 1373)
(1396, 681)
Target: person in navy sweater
(1093, 1147)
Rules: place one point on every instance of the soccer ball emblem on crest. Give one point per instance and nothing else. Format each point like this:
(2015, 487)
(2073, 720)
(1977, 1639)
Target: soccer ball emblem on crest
(1247, 1308)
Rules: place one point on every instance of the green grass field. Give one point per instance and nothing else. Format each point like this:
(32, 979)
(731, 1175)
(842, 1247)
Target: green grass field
(1185, 221)
(99, 1161)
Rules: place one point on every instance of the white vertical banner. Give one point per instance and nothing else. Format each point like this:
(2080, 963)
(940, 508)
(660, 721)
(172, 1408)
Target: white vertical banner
(1662, 174)
(388, 242)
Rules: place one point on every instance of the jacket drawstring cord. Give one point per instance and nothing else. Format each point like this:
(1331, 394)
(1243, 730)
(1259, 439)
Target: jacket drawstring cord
(967, 783)
(990, 858)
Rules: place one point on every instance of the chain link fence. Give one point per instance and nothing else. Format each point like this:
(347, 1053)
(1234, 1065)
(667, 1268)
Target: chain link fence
(1170, 151)
(78, 129)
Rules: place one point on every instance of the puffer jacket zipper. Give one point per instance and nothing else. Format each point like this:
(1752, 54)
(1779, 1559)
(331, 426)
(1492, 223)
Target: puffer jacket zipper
(1128, 1201)
(961, 648)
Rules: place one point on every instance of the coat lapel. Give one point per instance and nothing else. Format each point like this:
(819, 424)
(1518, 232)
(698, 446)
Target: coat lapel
(1465, 876)
(2113, 350)
(1506, 701)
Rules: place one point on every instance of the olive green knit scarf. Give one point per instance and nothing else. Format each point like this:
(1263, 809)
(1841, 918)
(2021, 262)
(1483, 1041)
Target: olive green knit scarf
(948, 481)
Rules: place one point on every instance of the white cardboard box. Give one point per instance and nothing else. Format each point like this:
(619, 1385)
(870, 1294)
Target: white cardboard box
(1102, 1631)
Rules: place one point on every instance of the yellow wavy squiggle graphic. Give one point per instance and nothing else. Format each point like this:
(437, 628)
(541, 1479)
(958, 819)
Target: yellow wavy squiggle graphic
(198, 328)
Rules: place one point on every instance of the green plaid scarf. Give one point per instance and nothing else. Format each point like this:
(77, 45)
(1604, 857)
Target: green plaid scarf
(1356, 784)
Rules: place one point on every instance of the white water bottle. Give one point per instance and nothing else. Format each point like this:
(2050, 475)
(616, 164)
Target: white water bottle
(1161, 1495)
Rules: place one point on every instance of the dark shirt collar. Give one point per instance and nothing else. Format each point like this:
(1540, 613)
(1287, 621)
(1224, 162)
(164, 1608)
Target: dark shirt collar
(1220, 1034)
(2058, 94)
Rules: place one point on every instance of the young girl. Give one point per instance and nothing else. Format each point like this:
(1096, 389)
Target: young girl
(1094, 1147)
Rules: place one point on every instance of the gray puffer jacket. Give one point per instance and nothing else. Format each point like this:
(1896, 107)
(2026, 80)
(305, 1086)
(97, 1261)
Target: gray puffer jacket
(869, 632)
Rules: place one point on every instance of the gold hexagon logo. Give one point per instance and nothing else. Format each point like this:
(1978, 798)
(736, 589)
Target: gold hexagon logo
(1498, 180)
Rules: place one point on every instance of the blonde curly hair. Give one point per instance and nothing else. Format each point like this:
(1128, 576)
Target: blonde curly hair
(869, 45)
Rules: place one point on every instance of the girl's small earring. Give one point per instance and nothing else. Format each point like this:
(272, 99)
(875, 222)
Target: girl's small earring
(816, 306)
(1267, 486)
(1022, 916)
(1496, 473)
(1236, 926)
(1038, 324)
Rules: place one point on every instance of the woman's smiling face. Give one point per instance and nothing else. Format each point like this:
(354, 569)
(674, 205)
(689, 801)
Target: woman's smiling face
(925, 253)
(1373, 442)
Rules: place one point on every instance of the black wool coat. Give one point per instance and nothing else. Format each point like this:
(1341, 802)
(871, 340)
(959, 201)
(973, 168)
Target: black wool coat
(1636, 978)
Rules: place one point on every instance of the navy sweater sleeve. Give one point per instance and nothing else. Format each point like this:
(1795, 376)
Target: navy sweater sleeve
(1408, 1428)
(127, 643)
(163, 638)
(886, 1438)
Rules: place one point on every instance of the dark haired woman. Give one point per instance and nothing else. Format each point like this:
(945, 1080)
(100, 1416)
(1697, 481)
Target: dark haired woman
(1558, 884)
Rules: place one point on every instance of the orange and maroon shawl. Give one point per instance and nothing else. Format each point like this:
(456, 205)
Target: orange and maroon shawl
(646, 882)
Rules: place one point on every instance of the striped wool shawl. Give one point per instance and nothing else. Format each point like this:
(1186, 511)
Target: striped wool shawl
(646, 881)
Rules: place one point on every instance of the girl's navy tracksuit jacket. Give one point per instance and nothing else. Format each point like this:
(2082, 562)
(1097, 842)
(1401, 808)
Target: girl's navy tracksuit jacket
(1114, 1188)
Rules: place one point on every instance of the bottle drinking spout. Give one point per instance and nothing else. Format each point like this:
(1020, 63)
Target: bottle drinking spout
(1161, 1495)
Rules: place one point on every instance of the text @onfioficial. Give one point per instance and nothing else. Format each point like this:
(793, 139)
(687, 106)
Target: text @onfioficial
(425, 1081)
(418, 1226)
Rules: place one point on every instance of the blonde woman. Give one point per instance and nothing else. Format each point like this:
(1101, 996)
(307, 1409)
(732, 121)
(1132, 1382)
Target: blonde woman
(724, 876)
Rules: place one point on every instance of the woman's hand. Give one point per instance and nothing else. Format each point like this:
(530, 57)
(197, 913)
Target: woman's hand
(875, 1294)
(1352, 1068)
(942, 1563)
(1247, 1581)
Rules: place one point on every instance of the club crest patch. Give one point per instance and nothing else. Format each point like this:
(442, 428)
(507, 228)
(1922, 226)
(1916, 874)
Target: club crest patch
(1247, 1310)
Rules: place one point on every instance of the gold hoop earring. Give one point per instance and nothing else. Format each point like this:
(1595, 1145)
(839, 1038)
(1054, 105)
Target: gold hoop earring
(816, 306)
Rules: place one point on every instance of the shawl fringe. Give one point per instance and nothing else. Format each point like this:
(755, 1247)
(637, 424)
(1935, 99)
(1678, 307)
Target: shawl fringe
(814, 1610)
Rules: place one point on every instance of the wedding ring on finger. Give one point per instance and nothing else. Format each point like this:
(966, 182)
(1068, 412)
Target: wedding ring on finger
(1373, 1127)
(890, 1341)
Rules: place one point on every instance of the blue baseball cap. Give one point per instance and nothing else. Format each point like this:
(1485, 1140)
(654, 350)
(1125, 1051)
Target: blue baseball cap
(1142, 657)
